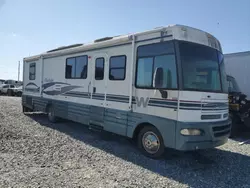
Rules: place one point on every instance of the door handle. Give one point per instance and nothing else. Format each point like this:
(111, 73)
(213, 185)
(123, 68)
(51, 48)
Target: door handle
(88, 88)
(94, 89)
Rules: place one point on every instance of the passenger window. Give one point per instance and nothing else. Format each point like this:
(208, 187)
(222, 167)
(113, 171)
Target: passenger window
(160, 56)
(81, 67)
(144, 72)
(12, 86)
(70, 68)
(117, 68)
(167, 63)
(32, 71)
(99, 68)
(77, 67)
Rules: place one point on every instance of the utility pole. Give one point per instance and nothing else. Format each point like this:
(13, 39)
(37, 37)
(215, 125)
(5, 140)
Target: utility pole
(18, 70)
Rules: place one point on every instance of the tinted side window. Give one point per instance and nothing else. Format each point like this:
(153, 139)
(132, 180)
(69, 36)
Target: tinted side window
(153, 56)
(167, 63)
(32, 71)
(99, 68)
(6, 86)
(12, 86)
(70, 68)
(145, 72)
(77, 67)
(81, 67)
(117, 68)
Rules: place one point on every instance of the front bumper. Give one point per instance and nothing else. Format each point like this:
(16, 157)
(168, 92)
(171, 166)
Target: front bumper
(214, 134)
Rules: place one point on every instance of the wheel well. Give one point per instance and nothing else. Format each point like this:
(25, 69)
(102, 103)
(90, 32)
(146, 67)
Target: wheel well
(139, 128)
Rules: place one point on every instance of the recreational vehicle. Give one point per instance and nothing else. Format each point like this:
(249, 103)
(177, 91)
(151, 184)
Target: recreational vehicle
(165, 87)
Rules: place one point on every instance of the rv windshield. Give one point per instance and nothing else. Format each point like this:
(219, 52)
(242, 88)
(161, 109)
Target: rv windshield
(202, 68)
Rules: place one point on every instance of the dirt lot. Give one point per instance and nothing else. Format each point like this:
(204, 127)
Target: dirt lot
(36, 153)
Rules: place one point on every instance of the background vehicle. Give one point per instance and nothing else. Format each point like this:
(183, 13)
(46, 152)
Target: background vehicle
(1, 82)
(17, 91)
(165, 87)
(239, 107)
(238, 65)
(5, 88)
(11, 90)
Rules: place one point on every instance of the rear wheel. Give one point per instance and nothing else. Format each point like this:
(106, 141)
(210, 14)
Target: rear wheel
(51, 114)
(10, 92)
(150, 142)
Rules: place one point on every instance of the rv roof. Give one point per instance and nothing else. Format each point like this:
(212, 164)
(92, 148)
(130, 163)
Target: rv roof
(102, 42)
(65, 47)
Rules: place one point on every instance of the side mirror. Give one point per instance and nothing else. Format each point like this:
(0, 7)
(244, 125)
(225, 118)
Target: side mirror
(158, 78)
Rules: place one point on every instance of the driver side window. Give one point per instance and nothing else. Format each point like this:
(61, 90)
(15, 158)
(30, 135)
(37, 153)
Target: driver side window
(149, 59)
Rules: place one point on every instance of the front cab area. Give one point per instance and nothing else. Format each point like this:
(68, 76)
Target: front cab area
(202, 135)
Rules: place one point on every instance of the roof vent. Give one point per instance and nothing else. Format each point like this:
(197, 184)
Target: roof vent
(103, 39)
(65, 47)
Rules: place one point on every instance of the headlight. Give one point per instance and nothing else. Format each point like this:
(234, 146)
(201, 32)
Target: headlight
(191, 132)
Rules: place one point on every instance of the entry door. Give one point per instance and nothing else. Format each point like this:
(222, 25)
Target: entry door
(98, 88)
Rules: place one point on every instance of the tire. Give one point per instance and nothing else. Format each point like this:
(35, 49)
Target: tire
(19, 94)
(51, 114)
(146, 137)
(9, 92)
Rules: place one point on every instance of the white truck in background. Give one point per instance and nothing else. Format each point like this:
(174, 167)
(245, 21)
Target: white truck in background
(238, 66)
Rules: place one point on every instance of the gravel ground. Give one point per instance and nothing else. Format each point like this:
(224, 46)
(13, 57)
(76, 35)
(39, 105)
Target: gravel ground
(36, 153)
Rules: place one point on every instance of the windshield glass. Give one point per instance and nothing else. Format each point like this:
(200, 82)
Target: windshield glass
(201, 68)
(232, 85)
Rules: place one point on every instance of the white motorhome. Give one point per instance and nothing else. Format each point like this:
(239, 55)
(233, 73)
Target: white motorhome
(165, 87)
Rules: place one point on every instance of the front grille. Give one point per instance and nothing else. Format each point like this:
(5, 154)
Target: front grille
(221, 130)
(214, 116)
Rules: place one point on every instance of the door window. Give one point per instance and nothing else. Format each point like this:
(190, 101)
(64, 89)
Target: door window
(99, 68)
(32, 71)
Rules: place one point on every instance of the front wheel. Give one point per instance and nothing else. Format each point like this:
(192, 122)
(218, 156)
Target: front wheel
(150, 142)
(51, 114)
(19, 94)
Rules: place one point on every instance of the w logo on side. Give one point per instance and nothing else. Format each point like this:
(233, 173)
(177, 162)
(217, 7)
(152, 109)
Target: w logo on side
(142, 101)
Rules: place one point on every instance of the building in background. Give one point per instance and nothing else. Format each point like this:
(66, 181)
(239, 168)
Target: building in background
(238, 66)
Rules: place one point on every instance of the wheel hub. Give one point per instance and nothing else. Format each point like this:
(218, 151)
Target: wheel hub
(151, 142)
